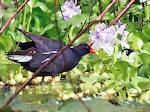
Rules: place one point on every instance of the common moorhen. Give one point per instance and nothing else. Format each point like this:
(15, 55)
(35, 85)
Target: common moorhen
(34, 53)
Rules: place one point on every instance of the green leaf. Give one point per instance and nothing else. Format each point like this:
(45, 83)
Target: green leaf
(31, 3)
(78, 19)
(147, 47)
(141, 82)
(145, 33)
(145, 58)
(136, 42)
(134, 59)
(42, 6)
(123, 70)
(6, 43)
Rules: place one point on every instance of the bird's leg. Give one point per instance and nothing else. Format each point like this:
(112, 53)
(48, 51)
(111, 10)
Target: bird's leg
(42, 81)
(53, 80)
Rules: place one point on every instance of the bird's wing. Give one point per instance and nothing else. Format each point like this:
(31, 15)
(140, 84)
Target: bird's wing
(22, 56)
(26, 45)
(43, 44)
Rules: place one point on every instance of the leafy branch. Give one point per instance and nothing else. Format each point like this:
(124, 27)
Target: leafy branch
(13, 16)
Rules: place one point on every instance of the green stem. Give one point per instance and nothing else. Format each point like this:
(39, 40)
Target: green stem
(29, 21)
(115, 53)
(20, 18)
(147, 11)
(24, 17)
(119, 6)
(133, 18)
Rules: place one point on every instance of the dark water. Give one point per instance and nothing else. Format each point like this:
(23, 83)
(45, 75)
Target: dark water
(41, 99)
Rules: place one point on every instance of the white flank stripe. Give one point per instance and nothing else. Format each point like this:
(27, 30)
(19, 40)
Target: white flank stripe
(52, 52)
(45, 60)
(20, 58)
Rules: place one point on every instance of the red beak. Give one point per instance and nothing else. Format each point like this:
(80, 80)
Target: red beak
(92, 50)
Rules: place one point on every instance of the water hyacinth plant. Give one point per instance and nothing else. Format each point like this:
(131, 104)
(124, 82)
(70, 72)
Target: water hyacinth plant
(119, 71)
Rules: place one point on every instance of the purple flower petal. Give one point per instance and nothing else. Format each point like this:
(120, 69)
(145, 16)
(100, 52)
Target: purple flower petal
(105, 37)
(70, 9)
(148, 1)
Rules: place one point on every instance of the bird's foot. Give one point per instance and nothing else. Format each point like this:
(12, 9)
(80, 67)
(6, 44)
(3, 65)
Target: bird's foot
(55, 79)
(37, 80)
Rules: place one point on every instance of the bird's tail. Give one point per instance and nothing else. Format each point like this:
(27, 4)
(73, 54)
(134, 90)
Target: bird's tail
(17, 57)
(28, 34)
(33, 37)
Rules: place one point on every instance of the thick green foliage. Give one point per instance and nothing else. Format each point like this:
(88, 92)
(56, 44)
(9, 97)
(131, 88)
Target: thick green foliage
(128, 76)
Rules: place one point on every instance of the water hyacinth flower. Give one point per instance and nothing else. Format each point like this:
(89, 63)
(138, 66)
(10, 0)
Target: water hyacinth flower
(148, 1)
(105, 37)
(70, 9)
(120, 28)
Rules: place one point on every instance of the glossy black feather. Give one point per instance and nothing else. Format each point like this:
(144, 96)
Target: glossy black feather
(43, 43)
(25, 45)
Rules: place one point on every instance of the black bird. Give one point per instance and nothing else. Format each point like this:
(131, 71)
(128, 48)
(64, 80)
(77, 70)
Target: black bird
(128, 51)
(34, 53)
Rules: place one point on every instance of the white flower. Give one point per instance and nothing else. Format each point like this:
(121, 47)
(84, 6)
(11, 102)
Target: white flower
(105, 37)
(120, 28)
(119, 55)
(148, 1)
(100, 27)
(70, 9)
(123, 42)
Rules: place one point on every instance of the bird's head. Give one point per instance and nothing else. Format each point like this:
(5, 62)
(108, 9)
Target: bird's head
(84, 48)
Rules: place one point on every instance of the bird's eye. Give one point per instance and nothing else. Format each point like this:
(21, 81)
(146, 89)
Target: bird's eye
(87, 47)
